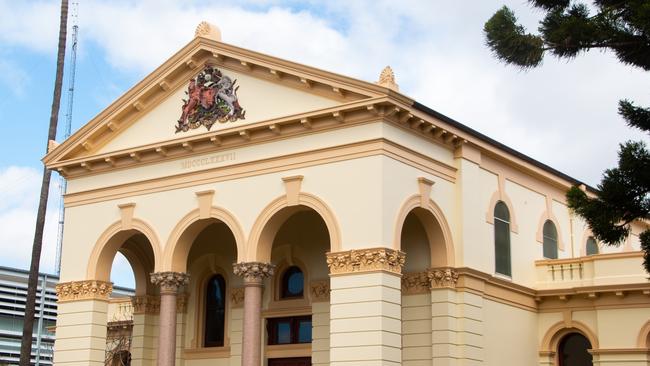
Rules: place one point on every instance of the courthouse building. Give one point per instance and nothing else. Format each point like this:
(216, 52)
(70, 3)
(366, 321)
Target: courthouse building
(278, 214)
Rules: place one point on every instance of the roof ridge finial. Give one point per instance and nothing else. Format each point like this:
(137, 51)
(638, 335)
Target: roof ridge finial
(387, 79)
(207, 30)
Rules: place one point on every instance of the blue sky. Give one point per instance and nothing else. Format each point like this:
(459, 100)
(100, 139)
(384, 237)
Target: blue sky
(563, 109)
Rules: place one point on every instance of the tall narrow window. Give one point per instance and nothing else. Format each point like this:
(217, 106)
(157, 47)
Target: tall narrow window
(215, 311)
(502, 239)
(550, 240)
(592, 246)
(293, 283)
(573, 350)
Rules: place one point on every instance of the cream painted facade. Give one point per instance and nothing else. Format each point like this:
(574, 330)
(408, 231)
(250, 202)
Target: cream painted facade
(385, 206)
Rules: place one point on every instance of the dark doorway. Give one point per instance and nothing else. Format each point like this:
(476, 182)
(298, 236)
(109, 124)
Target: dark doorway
(297, 361)
(573, 350)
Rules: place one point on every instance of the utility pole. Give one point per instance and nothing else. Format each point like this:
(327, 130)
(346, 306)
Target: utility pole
(28, 325)
(63, 184)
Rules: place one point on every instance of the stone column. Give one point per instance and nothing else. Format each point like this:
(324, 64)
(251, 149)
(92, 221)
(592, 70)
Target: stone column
(365, 310)
(253, 273)
(169, 283)
(81, 322)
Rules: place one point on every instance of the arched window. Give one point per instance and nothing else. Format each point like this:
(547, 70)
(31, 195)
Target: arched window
(573, 350)
(215, 312)
(592, 246)
(502, 239)
(293, 283)
(550, 240)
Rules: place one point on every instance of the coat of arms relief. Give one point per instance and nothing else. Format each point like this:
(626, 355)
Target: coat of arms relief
(211, 97)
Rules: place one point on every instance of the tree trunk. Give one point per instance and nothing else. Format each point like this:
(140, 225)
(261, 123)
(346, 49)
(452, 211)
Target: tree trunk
(26, 344)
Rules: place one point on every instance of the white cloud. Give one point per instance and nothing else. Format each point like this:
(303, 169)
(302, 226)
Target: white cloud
(19, 195)
(13, 77)
(30, 24)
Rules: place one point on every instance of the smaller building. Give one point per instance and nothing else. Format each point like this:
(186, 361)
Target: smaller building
(13, 293)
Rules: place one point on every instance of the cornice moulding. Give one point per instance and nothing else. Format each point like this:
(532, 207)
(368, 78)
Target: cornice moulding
(271, 164)
(286, 127)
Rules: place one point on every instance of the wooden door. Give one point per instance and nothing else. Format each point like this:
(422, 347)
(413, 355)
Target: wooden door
(297, 361)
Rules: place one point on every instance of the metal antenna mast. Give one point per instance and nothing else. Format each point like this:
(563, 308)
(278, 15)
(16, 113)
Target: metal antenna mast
(68, 127)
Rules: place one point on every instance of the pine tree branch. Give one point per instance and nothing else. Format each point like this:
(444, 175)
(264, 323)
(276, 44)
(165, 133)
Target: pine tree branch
(554, 46)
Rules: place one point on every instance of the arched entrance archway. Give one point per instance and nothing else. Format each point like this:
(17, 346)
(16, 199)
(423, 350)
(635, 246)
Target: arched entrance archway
(138, 243)
(421, 232)
(573, 350)
(552, 340)
(295, 239)
(204, 245)
(209, 249)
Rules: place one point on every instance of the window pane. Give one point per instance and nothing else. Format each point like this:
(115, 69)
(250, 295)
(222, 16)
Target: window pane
(293, 283)
(550, 240)
(592, 247)
(304, 331)
(502, 247)
(215, 312)
(549, 229)
(283, 334)
(501, 211)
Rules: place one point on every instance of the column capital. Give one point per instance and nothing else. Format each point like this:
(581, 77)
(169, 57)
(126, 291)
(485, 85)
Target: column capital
(366, 260)
(147, 304)
(170, 281)
(442, 277)
(253, 271)
(83, 290)
(430, 279)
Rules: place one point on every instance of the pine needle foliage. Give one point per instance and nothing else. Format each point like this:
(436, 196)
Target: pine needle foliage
(567, 30)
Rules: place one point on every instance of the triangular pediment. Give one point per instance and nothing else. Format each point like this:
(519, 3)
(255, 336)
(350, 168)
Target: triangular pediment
(259, 100)
(268, 88)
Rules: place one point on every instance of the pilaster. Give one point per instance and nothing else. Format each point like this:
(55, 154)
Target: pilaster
(145, 330)
(365, 307)
(416, 319)
(81, 322)
(320, 298)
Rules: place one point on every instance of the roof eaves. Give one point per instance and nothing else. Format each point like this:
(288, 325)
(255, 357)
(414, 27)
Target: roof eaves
(423, 108)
